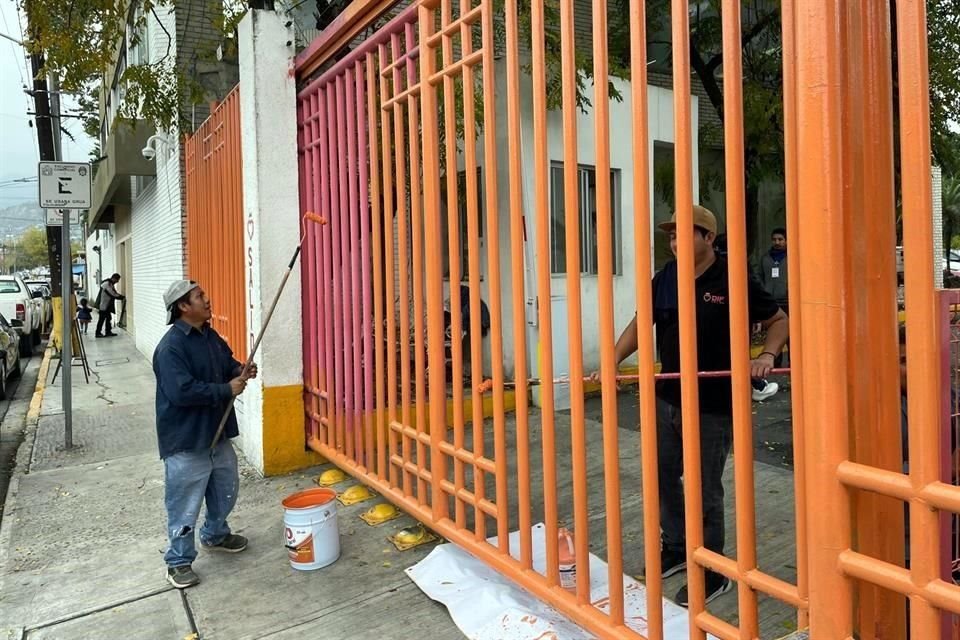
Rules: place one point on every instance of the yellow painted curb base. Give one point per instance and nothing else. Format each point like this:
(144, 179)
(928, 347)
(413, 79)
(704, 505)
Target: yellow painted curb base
(33, 413)
(283, 431)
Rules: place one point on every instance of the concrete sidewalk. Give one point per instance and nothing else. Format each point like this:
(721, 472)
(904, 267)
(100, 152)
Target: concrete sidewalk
(83, 535)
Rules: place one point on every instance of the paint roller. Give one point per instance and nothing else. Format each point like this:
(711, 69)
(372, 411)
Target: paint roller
(309, 216)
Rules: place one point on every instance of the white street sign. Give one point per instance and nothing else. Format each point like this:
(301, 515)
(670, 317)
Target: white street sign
(55, 217)
(64, 185)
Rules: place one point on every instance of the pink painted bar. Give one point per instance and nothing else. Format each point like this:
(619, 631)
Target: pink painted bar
(324, 343)
(382, 36)
(336, 268)
(308, 290)
(308, 264)
(322, 312)
(947, 298)
(356, 416)
(365, 239)
(344, 274)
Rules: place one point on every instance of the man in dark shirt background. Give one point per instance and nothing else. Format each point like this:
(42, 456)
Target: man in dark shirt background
(716, 409)
(197, 377)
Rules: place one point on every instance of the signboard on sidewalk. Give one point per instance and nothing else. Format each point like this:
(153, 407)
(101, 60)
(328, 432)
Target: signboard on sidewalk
(55, 217)
(64, 185)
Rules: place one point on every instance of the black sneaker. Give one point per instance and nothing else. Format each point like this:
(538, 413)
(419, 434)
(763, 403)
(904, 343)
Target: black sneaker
(672, 561)
(182, 577)
(717, 585)
(231, 544)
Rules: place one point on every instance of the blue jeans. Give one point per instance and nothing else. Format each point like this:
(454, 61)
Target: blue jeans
(191, 477)
(716, 437)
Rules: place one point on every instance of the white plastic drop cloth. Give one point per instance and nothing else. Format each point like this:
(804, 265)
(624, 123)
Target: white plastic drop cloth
(487, 606)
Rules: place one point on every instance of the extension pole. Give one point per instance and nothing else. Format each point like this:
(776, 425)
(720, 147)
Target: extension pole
(266, 322)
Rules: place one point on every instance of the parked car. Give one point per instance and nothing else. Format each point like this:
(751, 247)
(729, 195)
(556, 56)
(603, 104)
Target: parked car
(9, 355)
(24, 310)
(43, 287)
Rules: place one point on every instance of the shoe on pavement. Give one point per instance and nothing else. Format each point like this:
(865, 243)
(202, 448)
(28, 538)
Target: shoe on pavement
(98, 335)
(110, 335)
(182, 577)
(717, 585)
(672, 561)
(768, 391)
(231, 544)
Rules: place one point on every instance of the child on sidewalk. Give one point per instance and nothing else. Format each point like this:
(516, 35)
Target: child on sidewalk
(84, 315)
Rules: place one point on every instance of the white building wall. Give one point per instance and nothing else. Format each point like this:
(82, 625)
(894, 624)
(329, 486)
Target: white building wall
(660, 129)
(157, 248)
(102, 265)
(156, 220)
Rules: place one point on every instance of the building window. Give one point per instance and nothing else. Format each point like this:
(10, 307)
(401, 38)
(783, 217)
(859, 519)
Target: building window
(462, 211)
(587, 208)
(139, 36)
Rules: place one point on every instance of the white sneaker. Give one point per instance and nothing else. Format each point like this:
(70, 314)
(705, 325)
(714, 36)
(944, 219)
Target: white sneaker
(759, 395)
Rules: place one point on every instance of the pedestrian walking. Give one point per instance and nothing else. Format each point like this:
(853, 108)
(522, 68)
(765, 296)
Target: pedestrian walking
(106, 303)
(716, 412)
(84, 315)
(197, 377)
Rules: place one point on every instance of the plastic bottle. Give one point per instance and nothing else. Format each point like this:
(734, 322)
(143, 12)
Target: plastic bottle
(567, 560)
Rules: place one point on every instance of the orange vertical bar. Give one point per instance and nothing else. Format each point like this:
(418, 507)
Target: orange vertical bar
(737, 275)
(493, 266)
(643, 275)
(417, 238)
(874, 384)
(389, 211)
(608, 364)
(453, 260)
(690, 402)
(433, 230)
(575, 329)
(923, 381)
(376, 200)
(517, 234)
(402, 251)
(822, 302)
(473, 264)
(788, 17)
(544, 315)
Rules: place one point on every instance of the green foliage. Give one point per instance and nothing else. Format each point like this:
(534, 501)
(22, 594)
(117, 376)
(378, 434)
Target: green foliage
(943, 43)
(79, 41)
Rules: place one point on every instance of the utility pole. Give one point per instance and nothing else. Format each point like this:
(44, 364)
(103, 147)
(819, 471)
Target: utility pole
(58, 239)
(45, 141)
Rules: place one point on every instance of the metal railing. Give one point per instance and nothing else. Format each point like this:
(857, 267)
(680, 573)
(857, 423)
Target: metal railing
(214, 230)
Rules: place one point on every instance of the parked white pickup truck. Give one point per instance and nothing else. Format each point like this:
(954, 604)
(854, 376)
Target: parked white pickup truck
(23, 309)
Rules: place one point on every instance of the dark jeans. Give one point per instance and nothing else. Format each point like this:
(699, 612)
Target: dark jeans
(716, 437)
(104, 321)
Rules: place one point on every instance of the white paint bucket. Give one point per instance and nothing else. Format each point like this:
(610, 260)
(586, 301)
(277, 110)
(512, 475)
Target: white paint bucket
(311, 533)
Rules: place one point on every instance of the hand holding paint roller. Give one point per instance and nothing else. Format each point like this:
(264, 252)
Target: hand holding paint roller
(249, 369)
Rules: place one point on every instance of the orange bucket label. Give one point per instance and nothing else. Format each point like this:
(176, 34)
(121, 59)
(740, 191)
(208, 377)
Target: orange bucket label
(299, 544)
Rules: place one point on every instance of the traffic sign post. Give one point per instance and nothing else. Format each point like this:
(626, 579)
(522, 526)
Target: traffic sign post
(65, 185)
(55, 216)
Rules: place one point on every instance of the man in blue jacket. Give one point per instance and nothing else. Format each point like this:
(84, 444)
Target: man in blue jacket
(197, 377)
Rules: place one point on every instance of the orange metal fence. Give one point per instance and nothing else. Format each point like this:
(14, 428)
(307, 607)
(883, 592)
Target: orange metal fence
(214, 237)
(385, 133)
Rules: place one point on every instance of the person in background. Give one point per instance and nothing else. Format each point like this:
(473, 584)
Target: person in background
(107, 306)
(773, 273)
(84, 315)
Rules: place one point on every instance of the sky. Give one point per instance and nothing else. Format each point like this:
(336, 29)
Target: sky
(18, 140)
